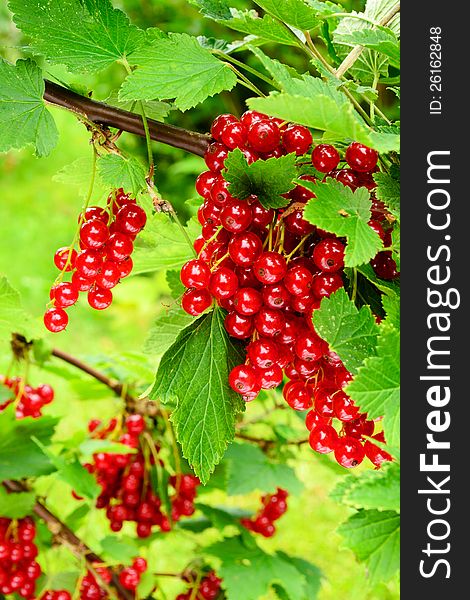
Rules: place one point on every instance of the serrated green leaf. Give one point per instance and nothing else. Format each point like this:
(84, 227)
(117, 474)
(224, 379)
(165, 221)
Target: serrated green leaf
(396, 245)
(79, 173)
(387, 287)
(350, 332)
(165, 330)
(219, 10)
(376, 385)
(388, 190)
(249, 469)
(85, 36)
(374, 537)
(248, 572)
(174, 283)
(372, 489)
(19, 454)
(391, 306)
(267, 179)
(336, 208)
(312, 573)
(282, 74)
(194, 374)
(162, 245)
(75, 519)
(16, 506)
(382, 40)
(121, 550)
(223, 517)
(294, 12)
(122, 172)
(62, 581)
(13, 318)
(177, 68)
(24, 118)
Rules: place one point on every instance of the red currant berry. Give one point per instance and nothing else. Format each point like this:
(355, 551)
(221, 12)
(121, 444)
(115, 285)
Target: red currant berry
(64, 295)
(61, 257)
(215, 157)
(130, 219)
(119, 247)
(323, 438)
(252, 116)
(93, 234)
(328, 255)
(125, 267)
(269, 321)
(270, 378)
(263, 353)
(361, 158)
(298, 281)
(195, 302)
(264, 136)
(219, 124)
(325, 158)
(377, 227)
(298, 395)
(309, 347)
(296, 224)
(344, 408)
(236, 216)
(347, 178)
(325, 284)
(247, 301)
(239, 326)
(349, 452)
(81, 283)
(234, 135)
(55, 319)
(195, 274)
(129, 578)
(108, 277)
(313, 419)
(223, 283)
(262, 217)
(359, 428)
(211, 212)
(270, 267)
(204, 183)
(99, 298)
(296, 138)
(244, 248)
(88, 263)
(384, 266)
(376, 454)
(140, 564)
(276, 296)
(220, 194)
(243, 380)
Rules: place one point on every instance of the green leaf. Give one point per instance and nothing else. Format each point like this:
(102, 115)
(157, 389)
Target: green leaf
(388, 190)
(312, 574)
(382, 40)
(194, 374)
(146, 585)
(373, 489)
(267, 179)
(122, 550)
(387, 287)
(162, 245)
(248, 572)
(122, 172)
(174, 283)
(19, 454)
(165, 330)
(336, 208)
(322, 107)
(249, 469)
(223, 517)
(350, 332)
(62, 581)
(177, 67)
(294, 12)
(16, 506)
(90, 447)
(24, 118)
(376, 385)
(374, 537)
(391, 306)
(83, 35)
(13, 318)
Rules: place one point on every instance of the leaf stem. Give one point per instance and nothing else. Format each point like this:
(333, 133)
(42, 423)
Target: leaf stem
(251, 70)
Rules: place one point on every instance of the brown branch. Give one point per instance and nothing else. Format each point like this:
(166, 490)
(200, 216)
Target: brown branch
(66, 536)
(103, 114)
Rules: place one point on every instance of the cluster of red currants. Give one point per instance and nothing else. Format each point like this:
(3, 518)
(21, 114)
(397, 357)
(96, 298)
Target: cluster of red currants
(130, 577)
(124, 478)
(106, 242)
(270, 269)
(56, 595)
(91, 586)
(29, 400)
(19, 570)
(274, 506)
(208, 589)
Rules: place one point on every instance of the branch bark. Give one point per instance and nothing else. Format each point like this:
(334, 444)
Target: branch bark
(66, 536)
(103, 114)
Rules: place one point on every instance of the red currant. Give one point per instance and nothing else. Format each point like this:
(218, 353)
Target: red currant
(234, 135)
(195, 274)
(296, 138)
(93, 234)
(119, 247)
(264, 136)
(223, 283)
(109, 275)
(325, 158)
(99, 298)
(243, 380)
(236, 216)
(55, 319)
(325, 284)
(323, 438)
(270, 267)
(64, 294)
(130, 219)
(361, 158)
(328, 255)
(349, 452)
(215, 156)
(61, 257)
(219, 124)
(247, 301)
(239, 326)
(298, 395)
(244, 248)
(195, 302)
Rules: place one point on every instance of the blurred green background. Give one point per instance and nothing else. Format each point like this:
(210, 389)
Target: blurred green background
(38, 214)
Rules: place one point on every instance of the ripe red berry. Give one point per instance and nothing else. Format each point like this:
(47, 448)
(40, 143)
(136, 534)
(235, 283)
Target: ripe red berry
(276, 296)
(81, 283)
(64, 295)
(361, 158)
(325, 284)
(313, 419)
(262, 217)
(119, 247)
(234, 135)
(252, 116)
(309, 347)
(125, 267)
(298, 395)
(344, 408)
(270, 378)
(223, 283)
(109, 275)
(349, 452)
(328, 255)
(55, 319)
(270, 267)
(325, 158)
(204, 183)
(195, 302)
(296, 224)
(296, 138)
(88, 263)
(215, 157)
(264, 136)
(323, 438)
(236, 216)
(263, 353)
(347, 178)
(359, 427)
(140, 564)
(99, 298)
(243, 380)
(244, 248)
(130, 219)
(384, 265)
(129, 578)
(135, 424)
(247, 301)
(269, 322)
(298, 281)
(220, 123)
(93, 234)
(195, 274)
(239, 326)
(61, 257)
(376, 454)
(220, 194)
